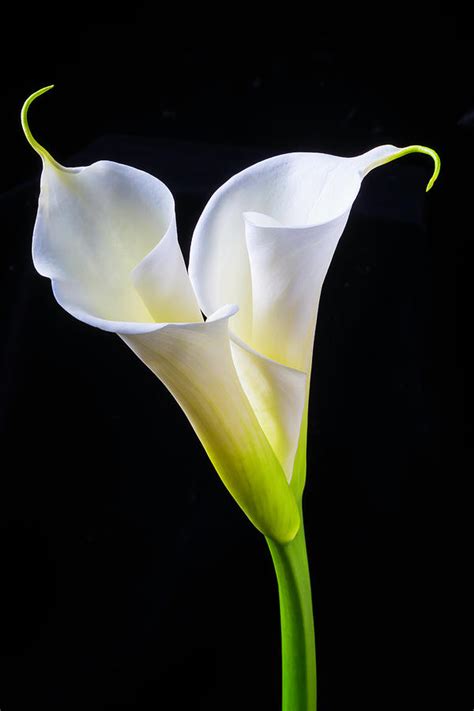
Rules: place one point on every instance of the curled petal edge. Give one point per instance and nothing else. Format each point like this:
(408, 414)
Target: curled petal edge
(385, 154)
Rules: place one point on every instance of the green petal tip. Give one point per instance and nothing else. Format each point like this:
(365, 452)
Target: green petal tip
(427, 151)
(434, 156)
(385, 154)
(26, 129)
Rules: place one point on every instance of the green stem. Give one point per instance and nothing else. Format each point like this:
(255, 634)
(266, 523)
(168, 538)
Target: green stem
(297, 625)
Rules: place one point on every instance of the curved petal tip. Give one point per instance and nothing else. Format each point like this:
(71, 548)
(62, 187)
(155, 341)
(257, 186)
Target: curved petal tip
(26, 129)
(437, 167)
(427, 151)
(385, 154)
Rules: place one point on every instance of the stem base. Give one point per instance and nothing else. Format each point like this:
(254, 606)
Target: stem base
(297, 625)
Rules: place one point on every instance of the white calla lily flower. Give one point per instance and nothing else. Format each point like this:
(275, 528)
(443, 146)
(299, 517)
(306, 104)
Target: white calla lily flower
(266, 239)
(106, 236)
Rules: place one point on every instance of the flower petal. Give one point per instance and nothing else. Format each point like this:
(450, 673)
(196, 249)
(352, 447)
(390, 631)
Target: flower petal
(195, 363)
(99, 229)
(106, 235)
(218, 262)
(163, 282)
(277, 395)
(283, 218)
(288, 267)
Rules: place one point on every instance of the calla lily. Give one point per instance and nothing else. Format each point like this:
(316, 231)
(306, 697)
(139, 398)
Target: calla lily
(265, 241)
(105, 235)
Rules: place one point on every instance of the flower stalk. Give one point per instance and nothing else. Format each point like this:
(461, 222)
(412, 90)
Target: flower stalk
(297, 624)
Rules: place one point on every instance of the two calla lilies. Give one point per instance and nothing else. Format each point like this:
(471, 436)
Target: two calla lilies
(105, 235)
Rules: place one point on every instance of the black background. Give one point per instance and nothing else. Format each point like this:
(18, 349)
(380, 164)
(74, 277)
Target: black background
(129, 577)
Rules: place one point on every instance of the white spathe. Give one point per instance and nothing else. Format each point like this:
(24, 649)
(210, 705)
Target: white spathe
(105, 235)
(265, 240)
